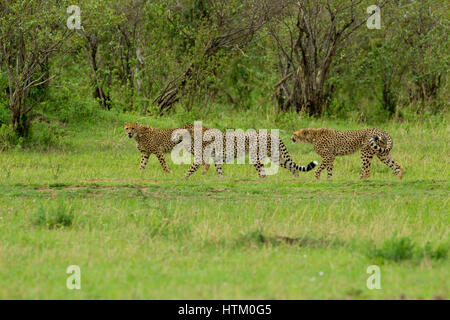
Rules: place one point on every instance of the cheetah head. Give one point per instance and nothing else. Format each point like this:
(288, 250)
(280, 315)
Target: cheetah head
(302, 135)
(131, 129)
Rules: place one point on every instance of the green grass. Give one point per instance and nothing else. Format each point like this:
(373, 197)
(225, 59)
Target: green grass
(154, 235)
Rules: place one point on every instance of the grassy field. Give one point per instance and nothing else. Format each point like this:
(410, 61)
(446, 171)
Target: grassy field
(153, 235)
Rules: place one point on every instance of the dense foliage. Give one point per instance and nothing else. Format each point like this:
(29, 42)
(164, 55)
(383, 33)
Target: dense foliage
(162, 57)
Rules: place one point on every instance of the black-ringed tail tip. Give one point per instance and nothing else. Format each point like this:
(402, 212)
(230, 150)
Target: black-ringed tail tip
(313, 165)
(310, 166)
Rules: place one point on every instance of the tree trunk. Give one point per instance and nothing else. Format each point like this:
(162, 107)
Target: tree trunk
(169, 95)
(19, 120)
(302, 95)
(91, 51)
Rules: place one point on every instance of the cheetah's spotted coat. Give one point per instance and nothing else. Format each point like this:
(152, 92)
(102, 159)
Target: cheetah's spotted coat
(159, 141)
(330, 143)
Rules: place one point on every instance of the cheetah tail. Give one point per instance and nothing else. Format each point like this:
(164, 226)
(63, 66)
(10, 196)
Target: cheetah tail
(381, 144)
(289, 164)
(308, 167)
(293, 167)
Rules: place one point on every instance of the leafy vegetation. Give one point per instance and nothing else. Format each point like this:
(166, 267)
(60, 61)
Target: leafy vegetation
(160, 57)
(404, 249)
(54, 217)
(70, 188)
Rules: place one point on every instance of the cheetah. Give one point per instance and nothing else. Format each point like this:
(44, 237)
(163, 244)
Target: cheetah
(154, 141)
(239, 147)
(330, 143)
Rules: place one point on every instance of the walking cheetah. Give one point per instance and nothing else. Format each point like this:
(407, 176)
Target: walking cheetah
(154, 141)
(239, 146)
(159, 141)
(329, 143)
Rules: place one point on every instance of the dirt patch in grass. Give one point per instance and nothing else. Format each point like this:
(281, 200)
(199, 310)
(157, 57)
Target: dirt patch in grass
(94, 186)
(121, 181)
(259, 238)
(47, 188)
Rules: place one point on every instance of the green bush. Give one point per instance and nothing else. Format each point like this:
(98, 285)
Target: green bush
(400, 249)
(438, 253)
(70, 108)
(5, 113)
(394, 250)
(8, 138)
(45, 135)
(59, 216)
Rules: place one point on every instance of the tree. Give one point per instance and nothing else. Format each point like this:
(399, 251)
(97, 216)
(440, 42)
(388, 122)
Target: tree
(422, 27)
(308, 39)
(218, 26)
(100, 23)
(30, 33)
(406, 61)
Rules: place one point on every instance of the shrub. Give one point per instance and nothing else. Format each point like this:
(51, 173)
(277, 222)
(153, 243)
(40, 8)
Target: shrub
(438, 253)
(59, 216)
(44, 135)
(70, 105)
(8, 138)
(400, 249)
(393, 250)
(5, 113)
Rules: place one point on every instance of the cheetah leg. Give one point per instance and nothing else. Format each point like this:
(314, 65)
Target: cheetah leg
(319, 170)
(391, 163)
(144, 160)
(260, 169)
(205, 168)
(162, 161)
(218, 163)
(192, 169)
(366, 162)
(283, 163)
(256, 161)
(219, 170)
(294, 172)
(326, 163)
(330, 166)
